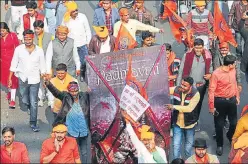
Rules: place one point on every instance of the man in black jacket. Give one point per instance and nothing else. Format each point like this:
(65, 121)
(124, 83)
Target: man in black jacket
(75, 112)
(243, 28)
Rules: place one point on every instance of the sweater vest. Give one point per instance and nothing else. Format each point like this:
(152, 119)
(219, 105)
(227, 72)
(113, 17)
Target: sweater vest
(63, 53)
(189, 118)
(47, 37)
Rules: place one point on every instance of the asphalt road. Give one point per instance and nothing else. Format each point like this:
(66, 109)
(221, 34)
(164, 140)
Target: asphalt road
(20, 119)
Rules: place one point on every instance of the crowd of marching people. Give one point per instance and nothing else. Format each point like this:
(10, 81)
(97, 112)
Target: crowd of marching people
(43, 57)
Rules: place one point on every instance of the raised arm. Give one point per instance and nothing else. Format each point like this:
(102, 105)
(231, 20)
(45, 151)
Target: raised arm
(56, 93)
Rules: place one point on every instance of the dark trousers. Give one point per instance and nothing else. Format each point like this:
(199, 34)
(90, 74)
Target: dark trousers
(82, 52)
(202, 90)
(84, 147)
(225, 108)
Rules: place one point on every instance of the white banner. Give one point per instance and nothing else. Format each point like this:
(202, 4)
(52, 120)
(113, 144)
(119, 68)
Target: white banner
(134, 104)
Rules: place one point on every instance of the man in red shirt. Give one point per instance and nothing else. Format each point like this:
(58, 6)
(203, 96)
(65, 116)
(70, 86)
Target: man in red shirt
(59, 148)
(11, 151)
(223, 98)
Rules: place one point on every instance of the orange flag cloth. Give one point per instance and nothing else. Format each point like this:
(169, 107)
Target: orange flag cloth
(124, 40)
(221, 28)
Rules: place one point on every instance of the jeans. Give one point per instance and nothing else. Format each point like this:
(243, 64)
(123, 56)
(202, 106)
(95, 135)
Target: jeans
(225, 108)
(177, 140)
(239, 40)
(51, 21)
(82, 52)
(29, 95)
(60, 14)
(84, 146)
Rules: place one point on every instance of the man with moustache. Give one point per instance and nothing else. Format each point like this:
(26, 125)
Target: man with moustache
(59, 148)
(12, 151)
(28, 64)
(201, 155)
(185, 116)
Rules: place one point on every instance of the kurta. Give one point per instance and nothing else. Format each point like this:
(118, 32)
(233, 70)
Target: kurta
(7, 51)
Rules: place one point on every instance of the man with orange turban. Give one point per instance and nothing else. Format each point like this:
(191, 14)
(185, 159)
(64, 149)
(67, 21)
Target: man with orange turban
(132, 25)
(148, 152)
(62, 50)
(60, 148)
(79, 30)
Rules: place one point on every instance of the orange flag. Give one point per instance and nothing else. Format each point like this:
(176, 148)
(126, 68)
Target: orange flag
(124, 40)
(221, 28)
(171, 5)
(176, 22)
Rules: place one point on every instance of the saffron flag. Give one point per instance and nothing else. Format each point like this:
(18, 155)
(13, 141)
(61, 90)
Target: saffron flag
(124, 40)
(177, 23)
(221, 29)
(170, 4)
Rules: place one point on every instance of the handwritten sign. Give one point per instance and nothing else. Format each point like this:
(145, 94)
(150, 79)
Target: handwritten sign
(134, 104)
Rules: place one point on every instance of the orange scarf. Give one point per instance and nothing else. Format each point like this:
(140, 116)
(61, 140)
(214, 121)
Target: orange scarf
(205, 159)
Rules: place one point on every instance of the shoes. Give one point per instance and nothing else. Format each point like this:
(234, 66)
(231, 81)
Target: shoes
(12, 104)
(214, 134)
(197, 127)
(35, 128)
(219, 151)
(40, 103)
(28, 111)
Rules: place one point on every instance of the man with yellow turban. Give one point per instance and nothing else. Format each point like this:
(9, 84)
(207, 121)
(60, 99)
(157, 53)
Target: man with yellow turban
(148, 152)
(132, 25)
(60, 148)
(62, 50)
(79, 30)
(102, 42)
(199, 20)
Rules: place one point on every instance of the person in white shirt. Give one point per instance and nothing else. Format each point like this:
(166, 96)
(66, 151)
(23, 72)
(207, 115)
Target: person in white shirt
(28, 19)
(62, 50)
(79, 30)
(147, 151)
(132, 25)
(102, 42)
(28, 64)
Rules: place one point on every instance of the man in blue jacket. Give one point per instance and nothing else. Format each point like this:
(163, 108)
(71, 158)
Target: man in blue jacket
(106, 16)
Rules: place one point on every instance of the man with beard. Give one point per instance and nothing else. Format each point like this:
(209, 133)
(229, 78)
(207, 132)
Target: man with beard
(185, 116)
(59, 148)
(201, 155)
(28, 64)
(197, 64)
(75, 112)
(12, 151)
(223, 98)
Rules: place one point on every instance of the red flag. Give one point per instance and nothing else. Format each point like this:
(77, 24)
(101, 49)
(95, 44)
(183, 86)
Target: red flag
(221, 28)
(124, 40)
